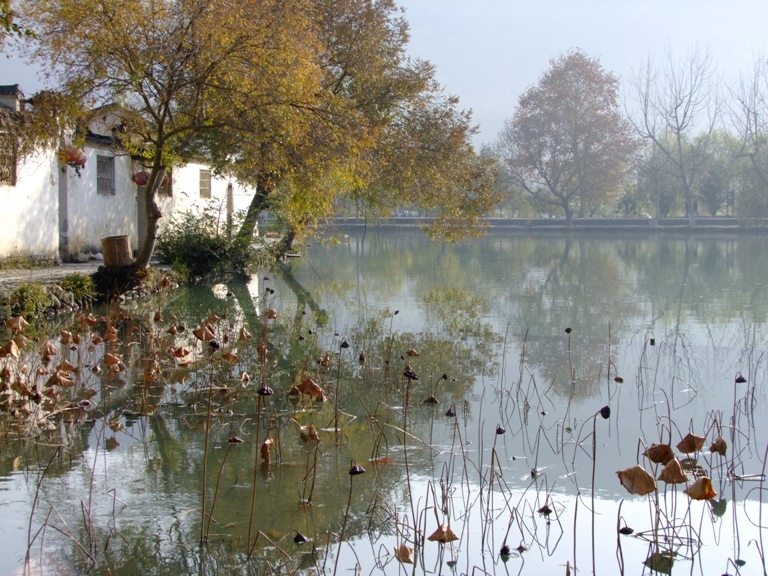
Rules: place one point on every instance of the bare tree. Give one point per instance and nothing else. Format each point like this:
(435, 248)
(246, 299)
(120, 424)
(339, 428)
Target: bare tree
(748, 117)
(677, 108)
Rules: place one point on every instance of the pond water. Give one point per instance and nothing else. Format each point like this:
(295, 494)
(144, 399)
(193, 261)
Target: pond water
(488, 368)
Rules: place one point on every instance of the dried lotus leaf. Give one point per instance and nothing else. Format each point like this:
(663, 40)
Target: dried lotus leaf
(719, 445)
(244, 334)
(443, 534)
(21, 341)
(49, 349)
(636, 480)
(203, 333)
(701, 489)
(65, 337)
(229, 356)
(66, 366)
(308, 432)
(9, 349)
(311, 388)
(111, 360)
(17, 323)
(110, 334)
(158, 317)
(691, 443)
(97, 340)
(659, 453)
(265, 450)
(172, 330)
(412, 352)
(404, 554)
(673, 473)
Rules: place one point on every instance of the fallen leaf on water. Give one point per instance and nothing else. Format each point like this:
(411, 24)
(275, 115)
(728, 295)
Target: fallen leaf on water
(701, 489)
(636, 480)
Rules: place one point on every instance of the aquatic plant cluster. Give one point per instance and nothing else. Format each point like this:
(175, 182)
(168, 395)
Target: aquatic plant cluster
(290, 445)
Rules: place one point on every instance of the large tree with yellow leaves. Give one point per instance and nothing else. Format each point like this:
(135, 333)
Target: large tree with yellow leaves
(309, 100)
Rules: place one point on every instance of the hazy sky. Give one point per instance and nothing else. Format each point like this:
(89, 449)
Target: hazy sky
(488, 52)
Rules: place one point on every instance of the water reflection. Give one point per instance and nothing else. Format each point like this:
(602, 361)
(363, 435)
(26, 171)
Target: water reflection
(657, 331)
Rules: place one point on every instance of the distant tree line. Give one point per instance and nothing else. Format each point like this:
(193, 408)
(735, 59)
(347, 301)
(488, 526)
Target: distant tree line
(675, 143)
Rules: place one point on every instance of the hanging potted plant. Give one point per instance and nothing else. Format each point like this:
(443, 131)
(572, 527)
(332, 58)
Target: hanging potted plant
(73, 156)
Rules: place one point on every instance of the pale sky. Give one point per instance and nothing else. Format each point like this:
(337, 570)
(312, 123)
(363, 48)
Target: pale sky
(487, 52)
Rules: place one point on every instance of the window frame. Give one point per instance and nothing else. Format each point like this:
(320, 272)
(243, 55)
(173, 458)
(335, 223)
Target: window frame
(105, 175)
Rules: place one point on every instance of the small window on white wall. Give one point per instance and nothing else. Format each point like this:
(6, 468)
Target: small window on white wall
(205, 183)
(105, 175)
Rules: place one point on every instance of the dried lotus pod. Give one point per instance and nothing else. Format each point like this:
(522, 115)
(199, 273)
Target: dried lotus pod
(17, 323)
(673, 473)
(443, 534)
(636, 480)
(719, 445)
(701, 489)
(659, 453)
(691, 443)
(404, 554)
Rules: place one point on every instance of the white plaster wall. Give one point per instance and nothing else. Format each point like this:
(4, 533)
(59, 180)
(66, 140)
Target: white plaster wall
(94, 216)
(29, 214)
(186, 193)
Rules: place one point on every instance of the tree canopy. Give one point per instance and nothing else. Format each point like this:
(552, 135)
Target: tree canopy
(311, 101)
(568, 144)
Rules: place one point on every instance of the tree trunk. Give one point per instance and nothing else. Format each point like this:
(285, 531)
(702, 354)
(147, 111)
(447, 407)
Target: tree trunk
(153, 216)
(265, 185)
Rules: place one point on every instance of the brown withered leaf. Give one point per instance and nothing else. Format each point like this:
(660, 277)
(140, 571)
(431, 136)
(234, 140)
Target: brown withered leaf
(203, 333)
(270, 313)
(244, 334)
(180, 352)
(673, 473)
(308, 432)
(158, 317)
(311, 388)
(701, 489)
(412, 352)
(65, 337)
(443, 534)
(404, 554)
(9, 349)
(21, 341)
(659, 453)
(172, 331)
(49, 349)
(112, 360)
(719, 445)
(229, 356)
(97, 340)
(111, 443)
(110, 334)
(691, 443)
(17, 323)
(265, 450)
(636, 480)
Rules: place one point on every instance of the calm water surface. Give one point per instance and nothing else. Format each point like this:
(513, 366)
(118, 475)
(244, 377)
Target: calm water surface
(658, 330)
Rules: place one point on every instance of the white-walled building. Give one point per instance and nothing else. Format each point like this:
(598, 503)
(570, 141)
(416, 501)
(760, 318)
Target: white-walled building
(54, 210)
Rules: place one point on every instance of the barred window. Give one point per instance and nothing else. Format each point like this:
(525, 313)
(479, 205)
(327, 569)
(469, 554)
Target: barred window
(7, 159)
(105, 175)
(205, 183)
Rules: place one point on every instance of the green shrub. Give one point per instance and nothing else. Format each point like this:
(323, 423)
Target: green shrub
(81, 287)
(199, 244)
(29, 300)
